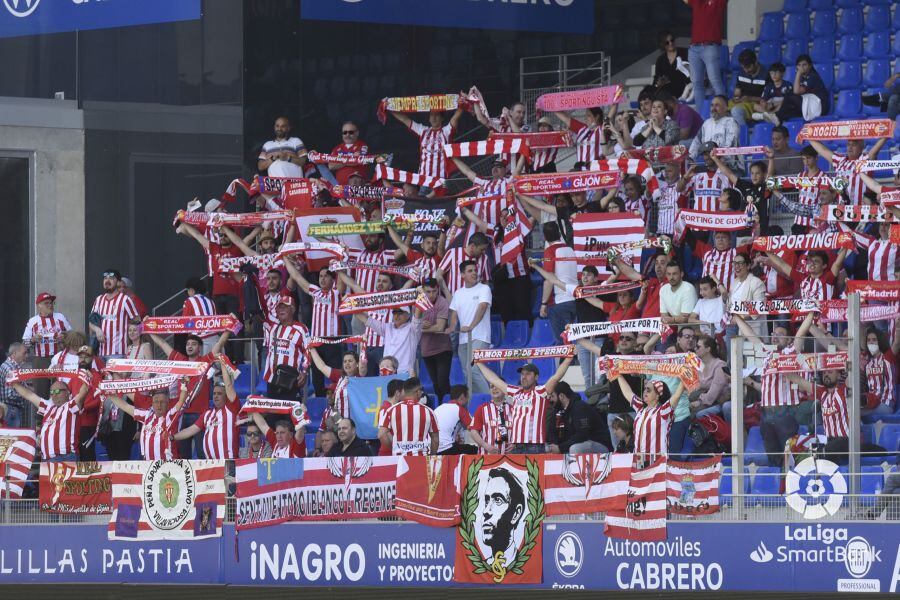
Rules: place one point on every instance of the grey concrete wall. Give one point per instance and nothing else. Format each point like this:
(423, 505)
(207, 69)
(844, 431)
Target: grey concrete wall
(52, 134)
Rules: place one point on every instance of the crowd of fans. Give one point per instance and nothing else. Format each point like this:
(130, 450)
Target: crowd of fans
(689, 287)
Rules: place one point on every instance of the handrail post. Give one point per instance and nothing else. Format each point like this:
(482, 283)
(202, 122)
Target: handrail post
(853, 395)
(737, 423)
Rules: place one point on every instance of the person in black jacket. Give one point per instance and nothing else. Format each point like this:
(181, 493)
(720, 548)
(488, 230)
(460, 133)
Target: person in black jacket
(348, 443)
(578, 428)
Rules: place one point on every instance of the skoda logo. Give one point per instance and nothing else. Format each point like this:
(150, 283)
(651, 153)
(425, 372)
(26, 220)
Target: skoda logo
(21, 8)
(817, 472)
(569, 554)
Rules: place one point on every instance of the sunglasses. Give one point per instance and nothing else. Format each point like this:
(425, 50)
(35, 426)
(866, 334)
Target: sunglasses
(669, 41)
(56, 392)
(252, 434)
(109, 274)
(349, 132)
(626, 339)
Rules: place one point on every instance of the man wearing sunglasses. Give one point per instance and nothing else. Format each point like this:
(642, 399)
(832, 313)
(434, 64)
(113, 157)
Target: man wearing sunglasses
(350, 144)
(110, 314)
(60, 413)
(256, 446)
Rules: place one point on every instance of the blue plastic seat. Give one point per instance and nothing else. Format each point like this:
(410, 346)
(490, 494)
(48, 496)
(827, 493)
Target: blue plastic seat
(457, 375)
(878, 45)
(877, 72)
(771, 26)
(261, 386)
(847, 3)
(871, 481)
(546, 368)
(725, 488)
(889, 438)
(769, 52)
(496, 331)
(821, 4)
(516, 335)
(822, 51)
(826, 72)
(766, 487)
(895, 47)
(878, 18)
(896, 21)
(793, 49)
(476, 401)
(242, 383)
(849, 75)
(754, 449)
(541, 334)
(724, 59)
(704, 108)
(315, 408)
(797, 26)
(510, 371)
(425, 378)
(762, 134)
(851, 20)
(795, 7)
(824, 23)
(878, 2)
(849, 104)
(851, 47)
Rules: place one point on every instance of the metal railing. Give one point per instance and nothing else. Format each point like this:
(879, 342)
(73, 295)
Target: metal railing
(540, 75)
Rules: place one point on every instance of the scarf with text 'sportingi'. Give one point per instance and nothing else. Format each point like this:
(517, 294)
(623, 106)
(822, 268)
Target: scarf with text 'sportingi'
(579, 99)
(816, 241)
(495, 354)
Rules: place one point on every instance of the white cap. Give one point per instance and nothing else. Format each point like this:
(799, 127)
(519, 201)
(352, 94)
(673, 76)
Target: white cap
(212, 205)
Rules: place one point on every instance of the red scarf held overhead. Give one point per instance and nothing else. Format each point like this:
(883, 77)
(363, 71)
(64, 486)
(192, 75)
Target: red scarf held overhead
(489, 147)
(350, 160)
(411, 104)
(565, 183)
(847, 130)
(492, 355)
(816, 241)
(537, 140)
(385, 173)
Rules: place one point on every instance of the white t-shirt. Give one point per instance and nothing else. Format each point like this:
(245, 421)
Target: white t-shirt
(283, 168)
(451, 420)
(401, 343)
(465, 302)
(711, 310)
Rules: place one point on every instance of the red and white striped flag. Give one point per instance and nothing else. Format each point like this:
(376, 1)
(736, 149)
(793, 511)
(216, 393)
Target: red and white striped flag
(16, 455)
(390, 174)
(693, 487)
(489, 147)
(632, 166)
(594, 233)
(644, 516)
(576, 484)
(167, 500)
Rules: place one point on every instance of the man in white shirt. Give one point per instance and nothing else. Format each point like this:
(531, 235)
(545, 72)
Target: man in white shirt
(720, 128)
(281, 157)
(676, 298)
(470, 308)
(401, 337)
(453, 419)
(558, 259)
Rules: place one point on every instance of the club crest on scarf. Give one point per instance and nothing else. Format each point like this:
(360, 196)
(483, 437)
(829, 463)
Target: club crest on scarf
(586, 470)
(434, 470)
(349, 469)
(501, 510)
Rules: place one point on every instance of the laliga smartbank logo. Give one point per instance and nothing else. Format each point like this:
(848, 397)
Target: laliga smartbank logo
(21, 8)
(818, 472)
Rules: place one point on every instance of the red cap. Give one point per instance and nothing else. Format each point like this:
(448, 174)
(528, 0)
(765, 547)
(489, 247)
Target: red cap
(287, 300)
(43, 296)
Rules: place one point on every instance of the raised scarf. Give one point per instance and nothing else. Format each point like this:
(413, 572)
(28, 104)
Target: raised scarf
(829, 240)
(495, 354)
(847, 130)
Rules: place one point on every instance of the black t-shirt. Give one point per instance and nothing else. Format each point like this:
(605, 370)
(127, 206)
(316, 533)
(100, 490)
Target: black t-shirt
(758, 195)
(618, 403)
(753, 85)
(588, 313)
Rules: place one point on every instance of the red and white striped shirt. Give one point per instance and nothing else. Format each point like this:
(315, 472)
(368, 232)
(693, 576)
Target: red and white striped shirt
(58, 428)
(667, 206)
(373, 338)
(43, 333)
(220, 432)
(527, 411)
(270, 300)
(287, 346)
(720, 264)
(815, 288)
(777, 390)
(324, 312)
(834, 411)
(116, 311)
(427, 265)
(490, 422)
(707, 187)
(847, 169)
(651, 427)
(807, 196)
(155, 433)
(542, 157)
(341, 393)
(450, 267)
(882, 258)
(433, 162)
(588, 141)
(880, 378)
(199, 305)
(490, 211)
(411, 424)
(366, 278)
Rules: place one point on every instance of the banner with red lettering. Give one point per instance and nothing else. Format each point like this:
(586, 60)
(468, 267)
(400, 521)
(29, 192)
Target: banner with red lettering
(201, 326)
(580, 99)
(500, 534)
(884, 291)
(847, 130)
(495, 354)
(889, 198)
(316, 341)
(272, 491)
(16, 455)
(692, 488)
(428, 489)
(299, 194)
(537, 139)
(76, 487)
(805, 363)
(540, 184)
(644, 517)
(318, 257)
(577, 484)
(714, 220)
(590, 291)
(815, 241)
(163, 367)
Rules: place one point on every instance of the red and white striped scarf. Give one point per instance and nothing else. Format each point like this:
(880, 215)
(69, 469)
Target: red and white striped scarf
(536, 140)
(117, 387)
(252, 189)
(632, 166)
(565, 183)
(847, 130)
(164, 367)
(232, 264)
(218, 219)
(28, 374)
(589, 291)
(383, 172)
(802, 363)
(407, 272)
(489, 148)
(191, 324)
(316, 341)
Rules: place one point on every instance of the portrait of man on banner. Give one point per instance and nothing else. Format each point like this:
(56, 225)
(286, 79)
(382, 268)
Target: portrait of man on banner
(502, 510)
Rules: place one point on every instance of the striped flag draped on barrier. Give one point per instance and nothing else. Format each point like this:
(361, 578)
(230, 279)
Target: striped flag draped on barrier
(16, 454)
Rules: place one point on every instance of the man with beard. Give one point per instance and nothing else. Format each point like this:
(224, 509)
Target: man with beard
(110, 315)
(281, 157)
(504, 509)
(368, 279)
(426, 261)
(197, 305)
